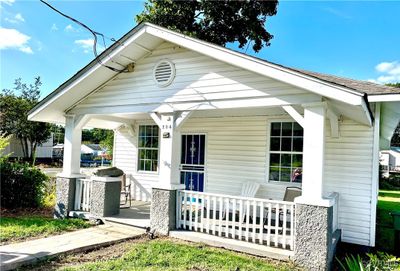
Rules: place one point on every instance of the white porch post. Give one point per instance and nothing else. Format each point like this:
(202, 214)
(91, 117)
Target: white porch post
(314, 233)
(163, 202)
(313, 153)
(66, 180)
(72, 147)
(169, 153)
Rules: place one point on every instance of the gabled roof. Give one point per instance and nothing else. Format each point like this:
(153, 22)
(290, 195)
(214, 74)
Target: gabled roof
(137, 43)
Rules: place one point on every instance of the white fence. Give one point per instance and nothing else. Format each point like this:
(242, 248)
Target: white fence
(266, 222)
(83, 192)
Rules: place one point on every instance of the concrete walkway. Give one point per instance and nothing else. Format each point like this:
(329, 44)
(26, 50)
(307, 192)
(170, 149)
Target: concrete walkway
(16, 255)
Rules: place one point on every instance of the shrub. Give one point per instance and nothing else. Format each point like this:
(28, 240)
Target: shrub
(22, 186)
(391, 183)
(380, 261)
(49, 198)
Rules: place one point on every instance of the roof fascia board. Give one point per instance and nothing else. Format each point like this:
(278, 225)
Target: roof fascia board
(267, 69)
(105, 57)
(384, 98)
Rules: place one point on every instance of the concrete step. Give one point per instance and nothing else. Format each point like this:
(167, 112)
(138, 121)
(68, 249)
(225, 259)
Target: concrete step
(236, 245)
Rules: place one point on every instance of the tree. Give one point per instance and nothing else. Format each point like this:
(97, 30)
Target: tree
(14, 110)
(219, 22)
(396, 85)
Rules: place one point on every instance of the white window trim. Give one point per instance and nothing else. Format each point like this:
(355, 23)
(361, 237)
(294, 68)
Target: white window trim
(137, 149)
(270, 120)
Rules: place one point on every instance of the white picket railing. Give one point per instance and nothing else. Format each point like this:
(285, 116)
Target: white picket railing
(83, 192)
(266, 222)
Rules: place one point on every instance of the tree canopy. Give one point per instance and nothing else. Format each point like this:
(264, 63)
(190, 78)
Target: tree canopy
(219, 22)
(14, 107)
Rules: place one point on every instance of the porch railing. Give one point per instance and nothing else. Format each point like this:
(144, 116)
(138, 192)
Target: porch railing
(83, 192)
(265, 222)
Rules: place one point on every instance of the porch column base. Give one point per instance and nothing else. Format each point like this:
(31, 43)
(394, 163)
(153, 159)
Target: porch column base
(65, 196)
(163, 210)
(314, 240)
(105, 196)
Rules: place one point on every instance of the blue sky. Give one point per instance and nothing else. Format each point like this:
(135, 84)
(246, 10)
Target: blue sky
(359, 40)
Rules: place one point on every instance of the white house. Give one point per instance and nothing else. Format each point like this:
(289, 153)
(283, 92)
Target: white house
(42, 151)
(390, 159)
(193, 120)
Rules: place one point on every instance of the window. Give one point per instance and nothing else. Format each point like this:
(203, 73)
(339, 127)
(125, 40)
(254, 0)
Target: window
(286, 152)
(148, 148)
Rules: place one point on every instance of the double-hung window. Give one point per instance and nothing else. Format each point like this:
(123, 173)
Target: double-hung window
(148, 148)
(286, 152)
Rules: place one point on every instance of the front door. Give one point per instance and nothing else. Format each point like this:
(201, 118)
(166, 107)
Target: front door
(193, 161)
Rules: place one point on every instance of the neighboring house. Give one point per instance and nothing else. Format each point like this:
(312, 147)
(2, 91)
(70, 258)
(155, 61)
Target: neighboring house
(42, 151)
(190, 115)
(93, 150)
(390, 159)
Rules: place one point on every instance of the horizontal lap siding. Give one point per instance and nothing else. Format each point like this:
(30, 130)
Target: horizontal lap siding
(197, 78)
(348, 171)
(235, 151)
(125, 158)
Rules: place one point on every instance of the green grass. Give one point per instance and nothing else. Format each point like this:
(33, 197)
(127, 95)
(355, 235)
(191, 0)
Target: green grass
(20, 228)
(171, 255)
(388, 201)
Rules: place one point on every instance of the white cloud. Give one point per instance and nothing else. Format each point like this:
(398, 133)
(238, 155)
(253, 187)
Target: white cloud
(54, 27)
(390, 72)
(13, 39)
(17, 19)
(8, 2)
(87, 45)
(71, 29)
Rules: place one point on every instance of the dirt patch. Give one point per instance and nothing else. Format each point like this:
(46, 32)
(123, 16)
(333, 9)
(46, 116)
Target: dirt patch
(93, 255)
(42, 212)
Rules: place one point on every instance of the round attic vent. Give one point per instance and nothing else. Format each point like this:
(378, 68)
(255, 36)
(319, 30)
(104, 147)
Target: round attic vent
(164, 73)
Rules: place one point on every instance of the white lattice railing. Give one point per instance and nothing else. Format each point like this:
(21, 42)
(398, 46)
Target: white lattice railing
(266, 222)
(83, 192)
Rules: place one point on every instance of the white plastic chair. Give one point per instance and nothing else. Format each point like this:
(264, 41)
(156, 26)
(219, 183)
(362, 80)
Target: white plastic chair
(249, 190)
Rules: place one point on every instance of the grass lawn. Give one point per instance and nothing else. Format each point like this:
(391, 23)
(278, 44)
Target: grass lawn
(161, 254)
(388, 201)
(15, 229)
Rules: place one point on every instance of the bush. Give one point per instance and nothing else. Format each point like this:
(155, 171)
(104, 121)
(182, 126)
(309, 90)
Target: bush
(49, 198)
(375, 262)
(391, 183)
(22, 186)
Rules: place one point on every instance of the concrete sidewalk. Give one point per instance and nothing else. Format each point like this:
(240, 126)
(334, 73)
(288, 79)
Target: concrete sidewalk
(16, 255)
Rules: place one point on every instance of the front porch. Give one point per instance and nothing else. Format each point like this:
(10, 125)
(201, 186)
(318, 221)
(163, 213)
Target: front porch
(224, 153)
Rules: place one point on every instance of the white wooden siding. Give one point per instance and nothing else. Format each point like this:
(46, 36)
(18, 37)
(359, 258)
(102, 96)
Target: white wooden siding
(125, 158)
(237, 153)
(198, 78)
(348, 171)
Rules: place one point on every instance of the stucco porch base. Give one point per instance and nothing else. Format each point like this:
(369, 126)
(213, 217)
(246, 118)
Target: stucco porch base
(315, 241)
(65, 196)
(163, 210)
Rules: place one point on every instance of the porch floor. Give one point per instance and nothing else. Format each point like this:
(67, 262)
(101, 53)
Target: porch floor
(236, 245)
(137, 215)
